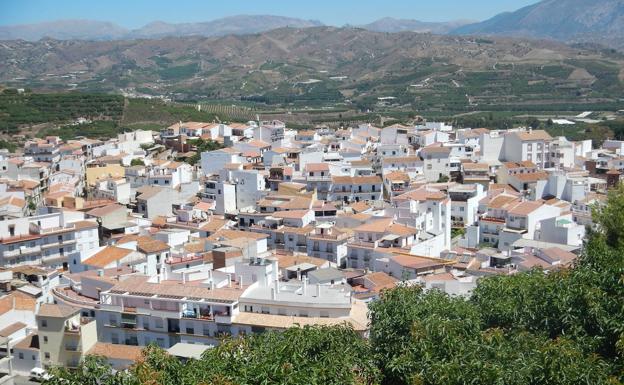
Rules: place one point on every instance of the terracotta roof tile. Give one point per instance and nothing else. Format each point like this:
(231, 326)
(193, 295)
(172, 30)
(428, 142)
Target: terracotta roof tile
(533, 135)
(525, 208)
(116, 351)
(57, 310)
(106, 256)
(375, 226)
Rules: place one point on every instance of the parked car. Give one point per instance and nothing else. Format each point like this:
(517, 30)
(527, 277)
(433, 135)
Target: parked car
(39, 374)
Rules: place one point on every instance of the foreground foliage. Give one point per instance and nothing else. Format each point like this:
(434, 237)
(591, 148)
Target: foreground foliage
(563, 327)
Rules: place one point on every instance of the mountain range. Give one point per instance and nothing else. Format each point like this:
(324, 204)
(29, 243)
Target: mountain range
(232, 25)
(595, 21)
(101, 30)
(390, 24)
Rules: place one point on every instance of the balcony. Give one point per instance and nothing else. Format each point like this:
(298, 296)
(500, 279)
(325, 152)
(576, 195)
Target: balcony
(318, 178)
(11, 253)
(30, 250)
(514, 230)
(368, 244)
(73, 329)
(73, 348)
(397, 188)
(203, 315)
(492, 219)
(223, 318)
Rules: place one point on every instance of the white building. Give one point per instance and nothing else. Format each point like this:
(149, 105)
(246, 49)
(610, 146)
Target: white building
(50, 239)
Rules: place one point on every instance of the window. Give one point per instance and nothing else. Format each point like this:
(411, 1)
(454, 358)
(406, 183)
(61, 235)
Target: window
(190, 330)
(46, 355)
(44, 323)
(21, 356)
(45, 339)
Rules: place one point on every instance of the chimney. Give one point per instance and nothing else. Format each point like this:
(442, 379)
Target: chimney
(240, 281)
(183, 278)
(229, 278)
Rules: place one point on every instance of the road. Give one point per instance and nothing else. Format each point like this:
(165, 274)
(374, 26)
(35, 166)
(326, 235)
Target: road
(22, 380)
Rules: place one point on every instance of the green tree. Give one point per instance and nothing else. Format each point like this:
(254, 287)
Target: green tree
(137, 162)
(443, 178)
(93, 370)
(533, 122)
(203, 146)
(610, 217)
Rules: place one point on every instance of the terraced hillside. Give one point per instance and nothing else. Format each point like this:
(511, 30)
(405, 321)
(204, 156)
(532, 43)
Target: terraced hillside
(324, 66)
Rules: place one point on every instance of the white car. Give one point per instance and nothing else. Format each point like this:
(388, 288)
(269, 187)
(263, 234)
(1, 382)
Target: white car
(39, 374)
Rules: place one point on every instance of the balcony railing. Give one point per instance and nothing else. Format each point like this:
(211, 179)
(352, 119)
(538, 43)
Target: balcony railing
(11, 253)
(318, 178)
(72, 348)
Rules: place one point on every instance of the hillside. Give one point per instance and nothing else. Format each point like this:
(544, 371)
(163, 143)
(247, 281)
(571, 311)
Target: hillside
(325, 65)
(599, 21)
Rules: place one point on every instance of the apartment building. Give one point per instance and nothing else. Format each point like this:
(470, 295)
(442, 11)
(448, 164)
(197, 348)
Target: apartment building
(530, 145)
(65, 336)
(465, 204)
(329, 243)
(355, 189)
(50, 239)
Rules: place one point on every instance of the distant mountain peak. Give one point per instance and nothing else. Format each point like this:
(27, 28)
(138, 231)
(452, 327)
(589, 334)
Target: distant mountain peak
(391, 24)
(600, 21)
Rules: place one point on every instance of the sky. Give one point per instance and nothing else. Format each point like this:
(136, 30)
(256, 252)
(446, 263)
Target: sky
(135, 13)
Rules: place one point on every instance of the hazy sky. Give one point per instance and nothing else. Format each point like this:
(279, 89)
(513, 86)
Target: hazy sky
(135, 13)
